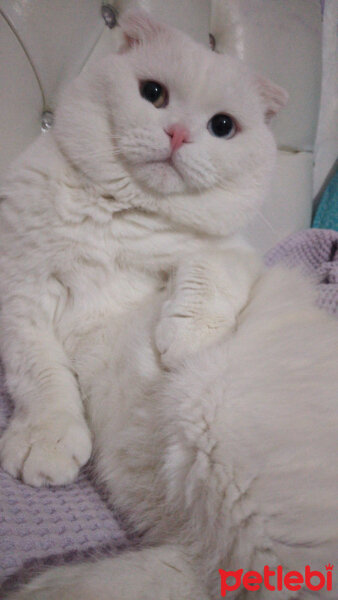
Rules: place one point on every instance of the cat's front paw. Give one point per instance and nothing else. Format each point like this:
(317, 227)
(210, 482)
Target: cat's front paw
(47, 452)
(179, 335)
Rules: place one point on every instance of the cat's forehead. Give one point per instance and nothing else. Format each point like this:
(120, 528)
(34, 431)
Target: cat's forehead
(196, 74)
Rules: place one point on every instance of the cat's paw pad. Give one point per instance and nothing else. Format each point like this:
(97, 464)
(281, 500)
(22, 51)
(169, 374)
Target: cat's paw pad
(50, 452)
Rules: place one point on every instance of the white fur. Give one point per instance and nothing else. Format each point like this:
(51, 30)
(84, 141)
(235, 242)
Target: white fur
(86, 238)
(115, 263)
(227, 462)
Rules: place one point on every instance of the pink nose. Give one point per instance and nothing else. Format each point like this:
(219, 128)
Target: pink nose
(178, 134)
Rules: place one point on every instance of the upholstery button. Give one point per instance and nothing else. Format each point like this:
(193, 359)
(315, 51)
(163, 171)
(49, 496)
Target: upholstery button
(109, 15)
(212, 41)
(47, 120)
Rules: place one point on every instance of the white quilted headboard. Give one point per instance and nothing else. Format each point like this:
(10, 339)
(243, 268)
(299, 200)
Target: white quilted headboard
(45, 43)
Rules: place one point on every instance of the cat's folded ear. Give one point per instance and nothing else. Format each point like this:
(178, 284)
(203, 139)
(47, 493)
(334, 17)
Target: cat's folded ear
(138, 27)
(273, 96)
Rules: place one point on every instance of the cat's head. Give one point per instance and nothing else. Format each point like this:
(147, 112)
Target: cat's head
(187, 127)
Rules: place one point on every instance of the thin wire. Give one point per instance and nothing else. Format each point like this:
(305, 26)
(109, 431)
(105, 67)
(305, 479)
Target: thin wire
(11, 26)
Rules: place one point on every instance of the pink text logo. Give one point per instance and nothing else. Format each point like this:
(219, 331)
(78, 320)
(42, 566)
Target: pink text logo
(276, 580)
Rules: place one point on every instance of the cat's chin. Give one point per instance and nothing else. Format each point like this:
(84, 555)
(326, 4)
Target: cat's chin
(161, 177)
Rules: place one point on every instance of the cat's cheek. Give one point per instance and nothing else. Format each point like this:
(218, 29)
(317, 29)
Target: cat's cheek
(200, 174)
(140, 146)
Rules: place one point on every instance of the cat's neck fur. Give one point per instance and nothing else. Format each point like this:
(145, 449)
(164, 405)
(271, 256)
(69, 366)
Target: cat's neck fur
(115, 210)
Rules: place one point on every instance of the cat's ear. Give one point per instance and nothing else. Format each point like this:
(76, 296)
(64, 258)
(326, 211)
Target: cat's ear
(274, 97)
(138, 27)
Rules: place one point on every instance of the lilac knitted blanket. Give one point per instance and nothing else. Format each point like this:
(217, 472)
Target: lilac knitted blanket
(316, 252)
(55, 525)
(50, 525)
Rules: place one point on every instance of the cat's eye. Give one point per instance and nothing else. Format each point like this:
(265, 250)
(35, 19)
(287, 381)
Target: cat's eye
(222, 126)
(155, 93)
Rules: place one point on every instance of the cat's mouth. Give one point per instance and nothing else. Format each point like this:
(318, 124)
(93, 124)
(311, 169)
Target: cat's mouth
(166, 161)
(161, 175)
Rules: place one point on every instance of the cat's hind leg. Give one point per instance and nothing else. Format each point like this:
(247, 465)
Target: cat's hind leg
(157, 573)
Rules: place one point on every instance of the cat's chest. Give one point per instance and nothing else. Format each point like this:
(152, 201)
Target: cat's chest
(110, 268)
(96, 303)
(92, 289)
(91, 284)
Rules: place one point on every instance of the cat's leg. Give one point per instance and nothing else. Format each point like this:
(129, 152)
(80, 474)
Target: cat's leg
(206, 295)
(47, 440)
(155, 573)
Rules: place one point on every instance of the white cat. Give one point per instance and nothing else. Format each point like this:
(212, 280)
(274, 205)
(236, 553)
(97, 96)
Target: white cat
(159, 155)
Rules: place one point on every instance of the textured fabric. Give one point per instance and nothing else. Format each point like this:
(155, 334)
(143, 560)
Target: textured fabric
(49, 526)
(326, 216)
(315, 251)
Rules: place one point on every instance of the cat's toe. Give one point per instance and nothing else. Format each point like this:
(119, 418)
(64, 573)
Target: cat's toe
(169, 339)
(48, 453)
(14, 446)
(165, 333)
(56, 462)
(176, 338)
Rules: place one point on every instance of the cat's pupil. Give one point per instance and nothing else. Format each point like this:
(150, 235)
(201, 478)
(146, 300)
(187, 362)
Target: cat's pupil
(154, 92)
(221, 125)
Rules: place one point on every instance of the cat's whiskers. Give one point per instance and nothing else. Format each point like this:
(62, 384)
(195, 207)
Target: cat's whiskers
(258, 211)
(266, 222)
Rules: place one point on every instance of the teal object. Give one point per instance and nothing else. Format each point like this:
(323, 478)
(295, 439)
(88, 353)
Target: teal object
(326, 216)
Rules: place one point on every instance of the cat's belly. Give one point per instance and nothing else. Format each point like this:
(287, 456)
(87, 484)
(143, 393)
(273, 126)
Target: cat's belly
(116, 347)
(118, 366)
